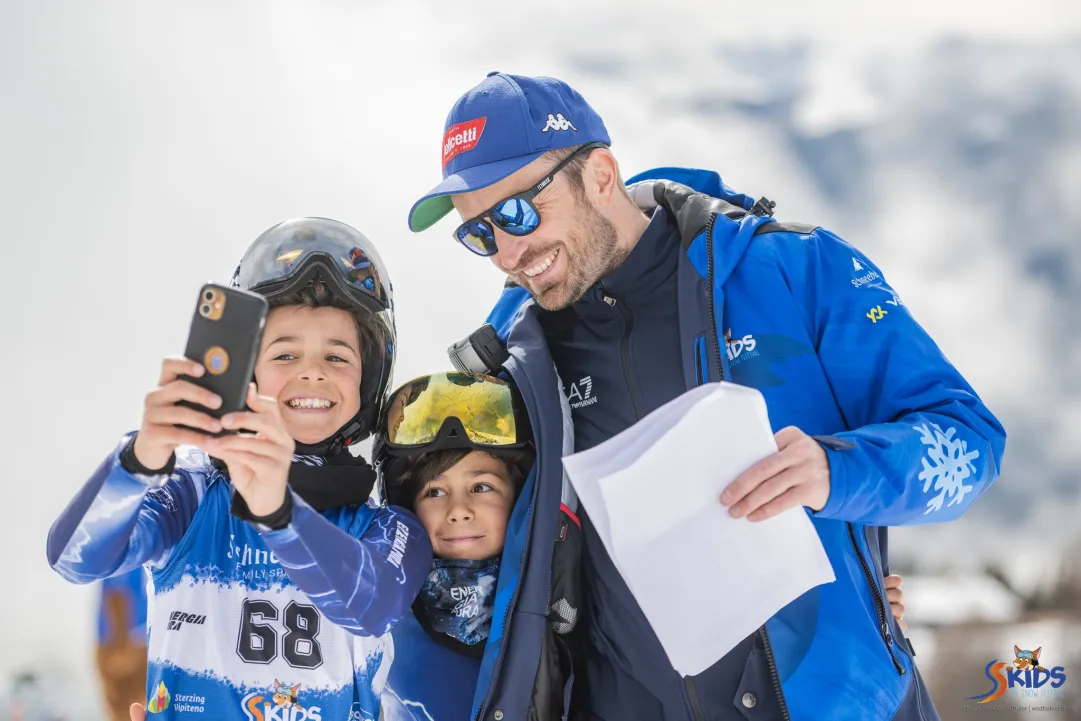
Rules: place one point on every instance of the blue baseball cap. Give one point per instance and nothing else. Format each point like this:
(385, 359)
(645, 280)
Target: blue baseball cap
(500, 126)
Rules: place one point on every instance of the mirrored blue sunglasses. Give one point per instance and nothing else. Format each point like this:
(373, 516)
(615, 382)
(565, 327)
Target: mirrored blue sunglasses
(516, 215)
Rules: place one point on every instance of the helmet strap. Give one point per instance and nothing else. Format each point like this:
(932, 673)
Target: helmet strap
(334, 444)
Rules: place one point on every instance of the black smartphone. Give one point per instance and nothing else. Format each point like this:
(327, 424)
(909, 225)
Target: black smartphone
(226, 331)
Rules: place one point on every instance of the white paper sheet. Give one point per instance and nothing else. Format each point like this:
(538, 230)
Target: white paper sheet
(703, 579)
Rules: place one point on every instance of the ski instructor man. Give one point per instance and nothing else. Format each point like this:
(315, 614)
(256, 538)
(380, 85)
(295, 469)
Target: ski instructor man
(641, 294)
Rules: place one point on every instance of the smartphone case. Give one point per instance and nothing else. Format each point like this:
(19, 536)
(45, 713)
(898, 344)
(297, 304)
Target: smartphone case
(226, 331)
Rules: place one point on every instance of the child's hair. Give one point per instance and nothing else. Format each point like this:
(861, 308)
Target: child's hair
(371, 333)
(426, 466)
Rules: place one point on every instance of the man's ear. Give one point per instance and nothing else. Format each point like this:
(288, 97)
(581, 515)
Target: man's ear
(601, 176)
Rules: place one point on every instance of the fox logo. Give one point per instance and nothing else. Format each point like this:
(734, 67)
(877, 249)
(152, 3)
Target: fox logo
(286, 696)
(1026, 659)
(281, 706)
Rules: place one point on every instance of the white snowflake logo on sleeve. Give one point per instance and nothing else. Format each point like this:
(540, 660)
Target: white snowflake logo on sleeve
(947, 466)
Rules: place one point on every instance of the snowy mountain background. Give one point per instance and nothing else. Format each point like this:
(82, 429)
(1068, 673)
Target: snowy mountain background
(144, 145)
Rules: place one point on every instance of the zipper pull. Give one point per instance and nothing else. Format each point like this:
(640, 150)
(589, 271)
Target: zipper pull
(609, 300)
(889, 643)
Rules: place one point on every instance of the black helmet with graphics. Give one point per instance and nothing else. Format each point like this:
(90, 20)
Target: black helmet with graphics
(297, 253)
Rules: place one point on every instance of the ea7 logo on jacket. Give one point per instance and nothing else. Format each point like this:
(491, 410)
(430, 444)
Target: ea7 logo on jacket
(580, 394)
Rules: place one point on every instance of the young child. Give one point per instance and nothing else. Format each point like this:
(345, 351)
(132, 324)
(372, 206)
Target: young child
(455, 449)
(234, 527)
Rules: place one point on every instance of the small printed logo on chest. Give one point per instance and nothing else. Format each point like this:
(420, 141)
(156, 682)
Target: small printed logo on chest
(876, 314)
(862, 274)
(248, 556)
(740, 349)
(580, 393)
(177, 619)
(251, 563)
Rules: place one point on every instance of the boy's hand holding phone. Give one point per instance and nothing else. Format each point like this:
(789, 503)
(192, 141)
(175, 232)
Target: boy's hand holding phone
(204, 405)
(258, 456)
(159, 434)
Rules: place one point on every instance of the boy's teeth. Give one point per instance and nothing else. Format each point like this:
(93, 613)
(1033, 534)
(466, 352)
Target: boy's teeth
(309, 403)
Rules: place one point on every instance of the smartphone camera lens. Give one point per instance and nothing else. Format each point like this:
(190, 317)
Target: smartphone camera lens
(209, 295)
(205, 310)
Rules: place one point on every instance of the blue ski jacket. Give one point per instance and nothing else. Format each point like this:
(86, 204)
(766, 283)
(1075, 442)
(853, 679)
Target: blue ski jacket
(248, 625)
(811, 322)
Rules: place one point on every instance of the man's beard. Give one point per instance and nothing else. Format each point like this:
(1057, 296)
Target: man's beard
(592, 252)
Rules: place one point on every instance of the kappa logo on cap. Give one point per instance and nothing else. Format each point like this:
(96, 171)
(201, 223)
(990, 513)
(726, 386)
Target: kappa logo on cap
(557, 122)
(461, 138)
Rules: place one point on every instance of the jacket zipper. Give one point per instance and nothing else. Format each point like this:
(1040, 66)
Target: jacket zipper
(709, 290)
(774, 676)
(880, 606)
(628, 325)
(692, 692)
(628, 375)
(696, 704)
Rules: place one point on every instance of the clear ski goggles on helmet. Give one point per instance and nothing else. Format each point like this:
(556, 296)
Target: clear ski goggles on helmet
(348, 262)
(516, 215)
(455, 410)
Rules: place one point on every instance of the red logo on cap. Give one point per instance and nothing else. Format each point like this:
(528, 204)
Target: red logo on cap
(462, 138)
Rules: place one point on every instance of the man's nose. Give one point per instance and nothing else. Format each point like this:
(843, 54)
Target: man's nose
(509, 250)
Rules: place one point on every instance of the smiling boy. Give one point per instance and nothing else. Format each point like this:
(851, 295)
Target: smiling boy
(275, 579)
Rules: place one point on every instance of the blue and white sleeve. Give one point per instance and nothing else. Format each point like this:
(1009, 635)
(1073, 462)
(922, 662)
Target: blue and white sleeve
(119, 520)
(365, 579)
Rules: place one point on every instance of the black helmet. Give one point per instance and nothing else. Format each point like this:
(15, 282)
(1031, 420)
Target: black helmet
(292, 255)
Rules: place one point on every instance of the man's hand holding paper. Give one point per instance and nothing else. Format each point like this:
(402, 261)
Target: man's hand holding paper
(704, 579)
(798, 474)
